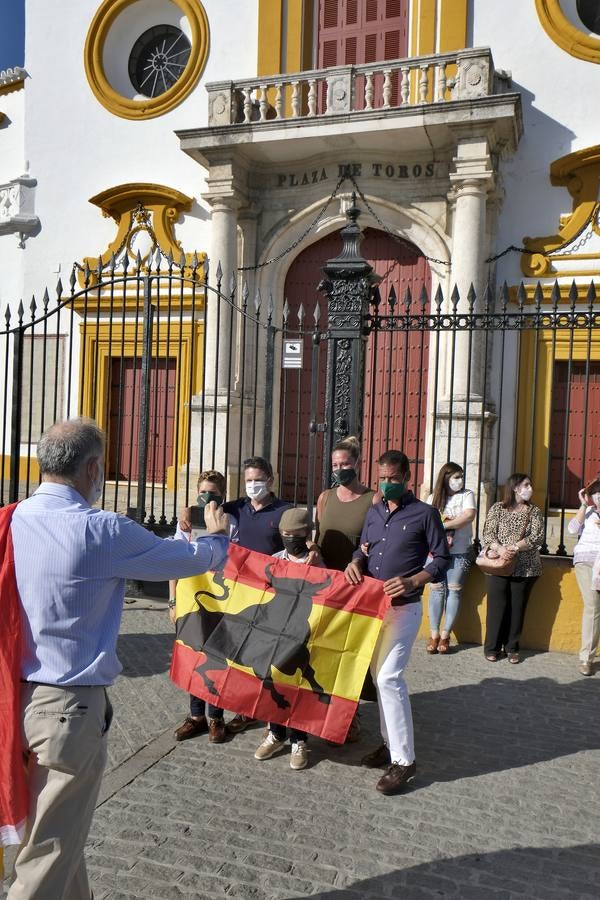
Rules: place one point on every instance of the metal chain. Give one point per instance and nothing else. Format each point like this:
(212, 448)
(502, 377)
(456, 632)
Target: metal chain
(303, 236)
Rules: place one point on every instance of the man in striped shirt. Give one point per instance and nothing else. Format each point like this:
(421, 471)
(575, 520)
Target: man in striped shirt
(71, 562)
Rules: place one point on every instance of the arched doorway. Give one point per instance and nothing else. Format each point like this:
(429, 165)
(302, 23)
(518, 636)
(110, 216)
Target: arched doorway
(395, 390)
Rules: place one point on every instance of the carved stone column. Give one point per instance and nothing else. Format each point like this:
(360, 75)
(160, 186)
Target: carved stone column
(348, 285)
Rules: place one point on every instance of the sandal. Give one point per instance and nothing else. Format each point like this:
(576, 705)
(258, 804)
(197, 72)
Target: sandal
(491, 657)
(444, 645)
(432, 646)
(513, 657)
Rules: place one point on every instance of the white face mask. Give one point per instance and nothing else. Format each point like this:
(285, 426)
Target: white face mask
(596, 499)
(97, 488)
(456, 483)
(257, 490)
(524, 493)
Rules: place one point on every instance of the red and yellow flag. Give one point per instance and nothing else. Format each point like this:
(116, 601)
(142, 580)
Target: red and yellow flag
(277, 641)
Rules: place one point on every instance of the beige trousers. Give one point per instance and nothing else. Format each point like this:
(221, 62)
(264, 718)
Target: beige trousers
(590, 621)
(64, 733)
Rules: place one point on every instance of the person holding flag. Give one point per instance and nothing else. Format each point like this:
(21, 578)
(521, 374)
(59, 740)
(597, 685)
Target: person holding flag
(399, 534)
(62, 582)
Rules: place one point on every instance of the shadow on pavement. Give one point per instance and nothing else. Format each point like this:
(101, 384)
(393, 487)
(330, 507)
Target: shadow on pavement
(567, 873)
(145, 654)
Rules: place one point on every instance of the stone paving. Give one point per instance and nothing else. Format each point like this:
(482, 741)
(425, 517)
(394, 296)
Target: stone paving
(506, 803)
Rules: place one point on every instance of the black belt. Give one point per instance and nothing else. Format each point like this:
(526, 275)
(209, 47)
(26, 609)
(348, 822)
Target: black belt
(404, 601)
(62, 686)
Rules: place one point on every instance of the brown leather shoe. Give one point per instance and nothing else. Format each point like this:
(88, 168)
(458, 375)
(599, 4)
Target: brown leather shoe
(377, 759)
(216, 731)
(396, 776)
(432, 646)
(191, 728)
(239, 723)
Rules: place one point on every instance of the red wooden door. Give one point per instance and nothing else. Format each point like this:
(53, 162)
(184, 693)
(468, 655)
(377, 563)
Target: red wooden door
(125, 398)
(396, 365)
(581, 460)
(351, 32)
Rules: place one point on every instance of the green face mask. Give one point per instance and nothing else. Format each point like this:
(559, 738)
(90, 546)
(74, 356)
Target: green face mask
(206, 496)
(391, 490)
(343, 477)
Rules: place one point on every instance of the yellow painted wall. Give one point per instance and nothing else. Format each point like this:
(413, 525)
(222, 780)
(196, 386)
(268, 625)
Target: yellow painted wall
(553, 618)
(34, 471)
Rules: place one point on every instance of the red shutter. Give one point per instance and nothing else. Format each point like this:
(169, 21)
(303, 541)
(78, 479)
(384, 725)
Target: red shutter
(352, 32)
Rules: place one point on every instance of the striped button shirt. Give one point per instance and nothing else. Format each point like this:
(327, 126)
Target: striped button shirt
(71, 562)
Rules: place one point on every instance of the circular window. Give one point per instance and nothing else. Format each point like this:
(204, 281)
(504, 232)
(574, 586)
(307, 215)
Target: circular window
(158, 59)
(589, 13)
(143, 57)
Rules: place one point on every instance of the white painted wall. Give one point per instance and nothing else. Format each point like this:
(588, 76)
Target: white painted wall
(558, 93)
(77, 148)
(12, 164)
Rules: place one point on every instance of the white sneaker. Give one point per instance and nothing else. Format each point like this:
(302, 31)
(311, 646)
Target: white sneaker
(269, 747)
(299, 756)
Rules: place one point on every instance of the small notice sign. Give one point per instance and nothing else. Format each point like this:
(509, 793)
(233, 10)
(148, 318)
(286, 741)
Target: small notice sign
(292, 354)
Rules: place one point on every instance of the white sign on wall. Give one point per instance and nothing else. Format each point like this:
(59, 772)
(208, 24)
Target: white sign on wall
(292, 354)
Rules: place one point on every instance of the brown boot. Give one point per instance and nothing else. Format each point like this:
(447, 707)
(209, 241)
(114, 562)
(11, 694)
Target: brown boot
(238, 724)
(377, 759)
(216, 731)
(191, 728)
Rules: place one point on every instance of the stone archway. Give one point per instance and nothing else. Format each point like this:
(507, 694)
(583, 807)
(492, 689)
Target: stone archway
(396, 372)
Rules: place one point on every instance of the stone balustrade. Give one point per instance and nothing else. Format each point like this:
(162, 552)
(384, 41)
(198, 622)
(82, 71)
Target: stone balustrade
(17, 214)
(360, 90)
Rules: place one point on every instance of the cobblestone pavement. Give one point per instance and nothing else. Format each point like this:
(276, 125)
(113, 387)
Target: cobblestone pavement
(506, 803)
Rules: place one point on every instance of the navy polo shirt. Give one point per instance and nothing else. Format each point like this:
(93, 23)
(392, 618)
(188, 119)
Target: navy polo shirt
(258, 528)
(401, 540)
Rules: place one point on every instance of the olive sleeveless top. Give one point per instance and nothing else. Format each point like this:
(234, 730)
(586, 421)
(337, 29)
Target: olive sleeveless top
(340, 527)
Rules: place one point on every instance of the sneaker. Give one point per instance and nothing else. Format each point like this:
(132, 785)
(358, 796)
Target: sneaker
(395, 777)
(239, 723)
(216, 731)
(377, 759)
(299, 756)
(269, 747)
(586, 668)
(191, 728)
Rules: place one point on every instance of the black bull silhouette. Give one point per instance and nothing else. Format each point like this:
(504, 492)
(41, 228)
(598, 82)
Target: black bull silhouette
(262, 636)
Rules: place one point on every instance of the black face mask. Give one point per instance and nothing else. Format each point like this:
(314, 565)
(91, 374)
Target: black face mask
(295, 545)
(343, 477)
(206, 496)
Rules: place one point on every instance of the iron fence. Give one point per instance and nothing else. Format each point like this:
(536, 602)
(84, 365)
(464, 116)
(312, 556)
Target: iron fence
(186, 373)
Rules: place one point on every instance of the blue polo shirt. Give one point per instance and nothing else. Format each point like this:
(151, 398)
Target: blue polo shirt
(258, 529)
(400, 540)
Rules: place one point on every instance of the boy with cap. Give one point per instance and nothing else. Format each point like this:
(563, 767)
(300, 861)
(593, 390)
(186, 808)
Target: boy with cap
(295, 529)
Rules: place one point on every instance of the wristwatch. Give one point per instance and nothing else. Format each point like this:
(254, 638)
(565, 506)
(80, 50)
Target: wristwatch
(172, 602)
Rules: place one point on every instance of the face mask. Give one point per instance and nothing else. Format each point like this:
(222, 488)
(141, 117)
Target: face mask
(257, 490)
(524, 493)
(98, 488)
(391, 490)
(456, 483)
(205, 497)
(596, 499)
(343, 477)
(294, 544)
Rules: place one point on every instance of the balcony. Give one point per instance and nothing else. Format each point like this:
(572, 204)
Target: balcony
(17, 208)
(329, 105)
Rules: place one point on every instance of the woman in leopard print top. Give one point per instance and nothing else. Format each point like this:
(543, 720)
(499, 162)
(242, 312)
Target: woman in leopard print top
(507, 596)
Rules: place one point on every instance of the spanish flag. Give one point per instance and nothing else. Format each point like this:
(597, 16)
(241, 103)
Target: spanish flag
(277, 641)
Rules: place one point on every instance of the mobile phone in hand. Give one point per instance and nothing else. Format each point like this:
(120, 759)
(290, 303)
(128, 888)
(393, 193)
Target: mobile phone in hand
(197, 517)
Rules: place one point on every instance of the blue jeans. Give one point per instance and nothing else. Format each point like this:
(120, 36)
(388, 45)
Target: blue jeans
(198, 708)
(447, 593)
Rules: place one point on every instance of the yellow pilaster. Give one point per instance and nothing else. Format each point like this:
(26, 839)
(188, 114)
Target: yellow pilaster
(269, 37)
(453, 25)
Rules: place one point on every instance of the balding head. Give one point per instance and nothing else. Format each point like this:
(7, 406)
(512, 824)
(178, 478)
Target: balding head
(72, 452)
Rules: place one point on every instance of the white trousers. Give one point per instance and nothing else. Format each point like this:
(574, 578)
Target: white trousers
(390, 658)
(590, 620)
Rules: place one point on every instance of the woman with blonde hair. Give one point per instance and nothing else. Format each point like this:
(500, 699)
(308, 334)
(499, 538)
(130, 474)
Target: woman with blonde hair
(341, 512)
(457, 508)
